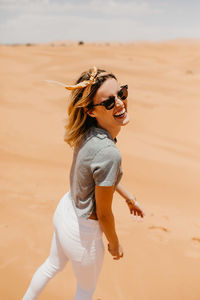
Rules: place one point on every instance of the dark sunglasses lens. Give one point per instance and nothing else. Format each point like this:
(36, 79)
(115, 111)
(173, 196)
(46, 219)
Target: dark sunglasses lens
(123, 93)
(110, 103)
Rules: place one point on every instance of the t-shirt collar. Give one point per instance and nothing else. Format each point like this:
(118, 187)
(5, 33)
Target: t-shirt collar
(102, 130)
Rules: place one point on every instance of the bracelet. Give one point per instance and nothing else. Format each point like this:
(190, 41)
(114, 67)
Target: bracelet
(130, 201)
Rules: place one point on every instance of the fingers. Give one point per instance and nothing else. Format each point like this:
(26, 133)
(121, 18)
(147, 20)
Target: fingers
(118, 256)
(137, 213)
(140, 214)
(116, 253)
(136, 210)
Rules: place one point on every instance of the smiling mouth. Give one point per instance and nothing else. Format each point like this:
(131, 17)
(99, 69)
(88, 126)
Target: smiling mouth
(120, 114)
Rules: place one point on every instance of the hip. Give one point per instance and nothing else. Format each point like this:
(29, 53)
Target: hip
(66, 216)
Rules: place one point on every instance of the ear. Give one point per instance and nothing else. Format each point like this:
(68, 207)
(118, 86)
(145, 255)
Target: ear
(90, 112)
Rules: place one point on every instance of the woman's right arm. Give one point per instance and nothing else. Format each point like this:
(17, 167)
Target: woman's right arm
(104, 196)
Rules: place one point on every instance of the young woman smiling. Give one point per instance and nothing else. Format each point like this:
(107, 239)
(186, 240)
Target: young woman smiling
(96, 112)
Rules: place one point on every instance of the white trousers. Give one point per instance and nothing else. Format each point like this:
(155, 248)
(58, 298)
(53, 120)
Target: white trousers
(78, 240)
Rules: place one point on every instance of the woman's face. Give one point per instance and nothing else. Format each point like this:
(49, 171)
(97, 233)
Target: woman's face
(114, 118)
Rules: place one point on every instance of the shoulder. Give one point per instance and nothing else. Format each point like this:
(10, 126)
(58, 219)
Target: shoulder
(105, 166)
(110, 153)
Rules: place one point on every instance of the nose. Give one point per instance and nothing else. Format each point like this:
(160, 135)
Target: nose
(119, 102)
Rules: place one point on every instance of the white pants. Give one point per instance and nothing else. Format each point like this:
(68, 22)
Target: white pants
(78, 240)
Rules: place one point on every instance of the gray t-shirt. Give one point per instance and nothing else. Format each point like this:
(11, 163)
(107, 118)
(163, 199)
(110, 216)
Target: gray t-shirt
(96, 161)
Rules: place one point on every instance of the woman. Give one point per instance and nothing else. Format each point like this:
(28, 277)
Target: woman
(97, 110)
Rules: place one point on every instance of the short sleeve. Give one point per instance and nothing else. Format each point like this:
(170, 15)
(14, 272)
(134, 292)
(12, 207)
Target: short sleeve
(105, 166)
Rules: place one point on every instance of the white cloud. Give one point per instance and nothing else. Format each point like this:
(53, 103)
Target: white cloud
(99, 20)
(45, 20)
(108, 7)
(67, 28)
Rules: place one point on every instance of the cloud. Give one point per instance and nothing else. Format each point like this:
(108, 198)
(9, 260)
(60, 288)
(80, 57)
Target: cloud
(46, 20)
(24, 21)
(106, 7)
(67, 28)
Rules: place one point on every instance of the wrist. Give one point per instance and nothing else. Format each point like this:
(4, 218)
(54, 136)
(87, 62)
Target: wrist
(114, 243)
(131, 199)
(113, 246)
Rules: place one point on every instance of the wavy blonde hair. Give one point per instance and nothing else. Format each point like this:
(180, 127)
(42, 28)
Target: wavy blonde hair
(78, 120)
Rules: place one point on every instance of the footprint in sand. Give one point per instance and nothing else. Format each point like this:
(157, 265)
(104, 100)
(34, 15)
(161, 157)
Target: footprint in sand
(194, 250)
(159, 227)
(159, 233)
(196, 239)
(3, 226)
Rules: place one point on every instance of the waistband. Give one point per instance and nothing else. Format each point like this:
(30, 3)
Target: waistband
(70, 212)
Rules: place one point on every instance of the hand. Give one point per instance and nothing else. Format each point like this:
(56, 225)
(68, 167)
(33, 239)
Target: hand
(116, 251)
(135, 208)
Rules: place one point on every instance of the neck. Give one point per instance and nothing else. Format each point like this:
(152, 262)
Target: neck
(114, 131)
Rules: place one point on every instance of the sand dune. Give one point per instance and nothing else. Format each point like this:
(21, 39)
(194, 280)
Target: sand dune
(161, 162)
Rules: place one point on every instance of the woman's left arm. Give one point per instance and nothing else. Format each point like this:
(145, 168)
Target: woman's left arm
(133, 205)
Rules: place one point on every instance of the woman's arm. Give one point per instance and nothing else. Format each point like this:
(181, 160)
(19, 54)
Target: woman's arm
(124, 193)
(104, 196)
(130, 200)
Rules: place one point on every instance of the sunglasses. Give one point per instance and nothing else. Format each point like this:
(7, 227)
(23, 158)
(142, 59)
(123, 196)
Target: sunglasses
(110, 102)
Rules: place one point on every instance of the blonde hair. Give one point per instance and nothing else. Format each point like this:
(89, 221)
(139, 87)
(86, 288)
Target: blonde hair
(78, 120)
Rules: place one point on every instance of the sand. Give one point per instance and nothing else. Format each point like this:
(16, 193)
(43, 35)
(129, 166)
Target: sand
(160, 156)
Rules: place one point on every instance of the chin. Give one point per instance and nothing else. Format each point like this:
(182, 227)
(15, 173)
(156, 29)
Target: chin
(127, 120)
(124, 121)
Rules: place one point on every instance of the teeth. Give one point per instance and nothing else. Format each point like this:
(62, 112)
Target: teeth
(120, 112)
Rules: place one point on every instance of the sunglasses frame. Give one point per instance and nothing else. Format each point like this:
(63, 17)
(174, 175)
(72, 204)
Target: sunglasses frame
(103, 103)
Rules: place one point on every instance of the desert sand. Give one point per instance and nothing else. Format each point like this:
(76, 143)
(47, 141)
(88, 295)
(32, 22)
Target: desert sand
(160, 157)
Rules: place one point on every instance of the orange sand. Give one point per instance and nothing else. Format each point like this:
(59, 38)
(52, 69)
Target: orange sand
(161, 161)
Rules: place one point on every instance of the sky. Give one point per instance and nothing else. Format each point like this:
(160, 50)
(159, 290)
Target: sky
(41, 21)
